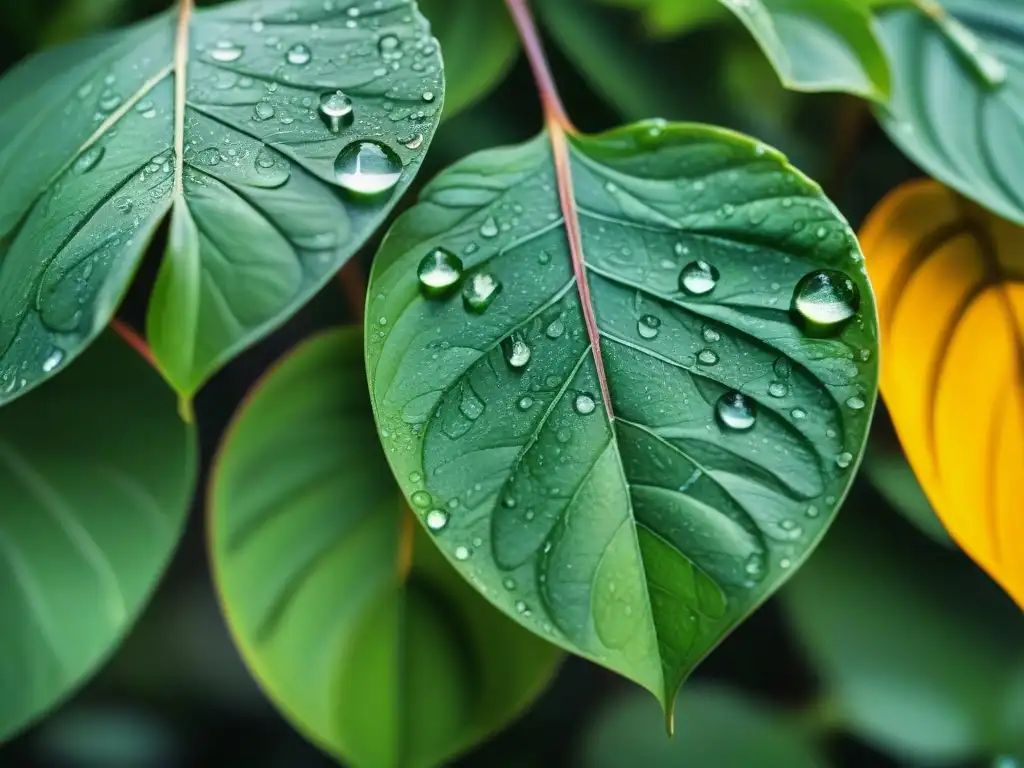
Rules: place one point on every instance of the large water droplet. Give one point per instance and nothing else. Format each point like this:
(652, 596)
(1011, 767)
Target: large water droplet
(648, 327)
(698, 278)
(825, 300)
(89, 159)
(481, 289)
(585, 404)
(517, 351)
(337, 110)
(226, 52)
(707, 357)
(436, 520)
(367, 168)
(264, 111)
(439, 272)
(298, 55)
(855, 403)
(736, 411)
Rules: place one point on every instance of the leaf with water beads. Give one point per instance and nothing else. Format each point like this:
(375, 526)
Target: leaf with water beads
(648, 454)
(277, 134)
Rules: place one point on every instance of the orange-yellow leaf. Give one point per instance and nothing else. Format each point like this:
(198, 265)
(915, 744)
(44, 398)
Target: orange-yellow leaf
(949, 277)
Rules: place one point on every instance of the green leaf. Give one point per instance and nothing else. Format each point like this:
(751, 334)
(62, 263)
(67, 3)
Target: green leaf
(957, 109)
(819, 45)
(637, 541)
(718, 728)
(479, 43)
(361, 633)
(96, 146)
(914, 643)
(97, 474)
(673, 17)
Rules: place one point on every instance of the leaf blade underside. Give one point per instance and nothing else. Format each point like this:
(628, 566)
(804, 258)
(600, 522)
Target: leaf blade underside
(640, 542)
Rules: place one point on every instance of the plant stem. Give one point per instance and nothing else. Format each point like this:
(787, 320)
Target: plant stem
(133, 339)
(554, 112)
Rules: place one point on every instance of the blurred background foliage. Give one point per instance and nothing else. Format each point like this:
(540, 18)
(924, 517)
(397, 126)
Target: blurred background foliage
(888, 649)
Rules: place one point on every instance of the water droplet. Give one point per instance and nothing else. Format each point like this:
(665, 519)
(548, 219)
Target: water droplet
(791, 530)
(710, 335)
(56, 358)
(124, 205)
(585, 404)
(526, 403)
(517, 351)
(825, 300)
(415, 477)
(489, 228)
(109, 101)
(415, 141)
(367, 168)
(428, 96)
(812, 512)
(522, 608)
(388, 45)
(210, 156)
(736, 411)
(480, 290)
(337, 110)
(648, 327)
(439, 272)
(421, 499)
(698, 278)
(843, 460)
(783, 368)
(462, 553)
(298, 55)
(754, 565)
(436, 520)
(707, 357)
(856, 403)
(509, 584)
(89, 159)
(226, 52)
(798, 413)
(555, 329)
(264, 111)
(778, 389)
(785, 563)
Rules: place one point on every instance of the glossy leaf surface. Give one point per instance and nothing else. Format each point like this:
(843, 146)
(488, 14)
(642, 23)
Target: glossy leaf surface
(958, 97)
(231, 118)
(955, 384)
(361, 633)
(638, 539)
(97, 473)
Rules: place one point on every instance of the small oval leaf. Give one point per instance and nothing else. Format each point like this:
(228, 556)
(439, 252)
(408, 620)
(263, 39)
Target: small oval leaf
(97, 474)
(653, 423)
(361, 633)
(931, 254)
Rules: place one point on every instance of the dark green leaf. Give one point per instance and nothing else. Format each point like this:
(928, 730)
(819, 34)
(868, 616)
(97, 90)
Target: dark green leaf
(717, 728)
(381, 660)
(96, 147)
(674, 17)
(914, 643)
(957, 108)
(638, 541)
(479, 44)
(96, 473)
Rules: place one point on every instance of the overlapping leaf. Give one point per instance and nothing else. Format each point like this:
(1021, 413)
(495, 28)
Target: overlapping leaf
(626, 445)
(97, 474)
(351, 620)
(231, 116)
(950, 281)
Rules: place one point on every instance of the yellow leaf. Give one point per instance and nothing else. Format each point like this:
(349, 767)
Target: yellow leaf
(950, 283)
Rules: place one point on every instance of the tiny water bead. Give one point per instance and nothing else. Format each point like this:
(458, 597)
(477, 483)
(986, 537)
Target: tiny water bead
(710, 335)
(439, 272)
(778, 389)
(825, 300)
(489, 228)
(336, 110)
(707, 357)
(517, 351)
(855, 403)
(367, 168)
(736, 411)
(421, 499)
(525, 403)
(298, 55)
(555, 329)
(798, 413)
(585, 404)
(648, 327)
(480, 291)
(462, 553)
(843, 460)
(226, 52)
(436, 520)
(698, 278)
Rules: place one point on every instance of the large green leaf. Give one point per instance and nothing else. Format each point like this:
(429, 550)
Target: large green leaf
(358, 629)
(96, 478)
(718, 728)
(640, 539)
(958, 97)
(479, 44)
(216, 116)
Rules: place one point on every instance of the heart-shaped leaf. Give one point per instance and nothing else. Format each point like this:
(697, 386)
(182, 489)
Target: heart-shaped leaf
(957, 107)
(955, 384)
(599, 372)
(280, 133)
(358, 629)
(96, 478)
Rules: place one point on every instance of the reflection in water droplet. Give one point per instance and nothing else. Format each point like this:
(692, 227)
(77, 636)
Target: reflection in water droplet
(89, 159)
(698, 278)
(439, 272)
(517, 351)
(226, 52)
(778, 389)
(555, 329)
(298, 55)
(480, 290)
(736, 411)
(648, 327)
(210, 156)
(707, 357)
(825, 300)
(415, 141)
(264, 111)
(489, 228)
(525, 403)
(56, 358)
(798, 413)
(336, 110)
(421, 499)
(710, 335)
(367, 168)
(462, 553)
(855, 403)
(388, 45)
(436, 520)
(585, 404)
(843, 460)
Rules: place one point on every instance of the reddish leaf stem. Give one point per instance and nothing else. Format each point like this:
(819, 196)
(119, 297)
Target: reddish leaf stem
(554, 112)
(133, 339)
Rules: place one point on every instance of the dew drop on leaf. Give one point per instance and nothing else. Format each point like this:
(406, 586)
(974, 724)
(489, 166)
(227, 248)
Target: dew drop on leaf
(798, 414)
(710, 335)
(480, 290)
(707, 357)
(517, 351)
(585, 404)
(555, 329)
(698, 278)
(226, 52)
(298, 55)
(648, 327)
(778, 389)
(421, 499)
(843, 460)
(367, 168)
(855, 403)
(264, 111)
(439, 272)
(525, 403)
(55, 359)
(89, 159)
(736, 411)
(436, 520)
(825, 300)
(462, 553)
(489, 228)
(336, 110)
